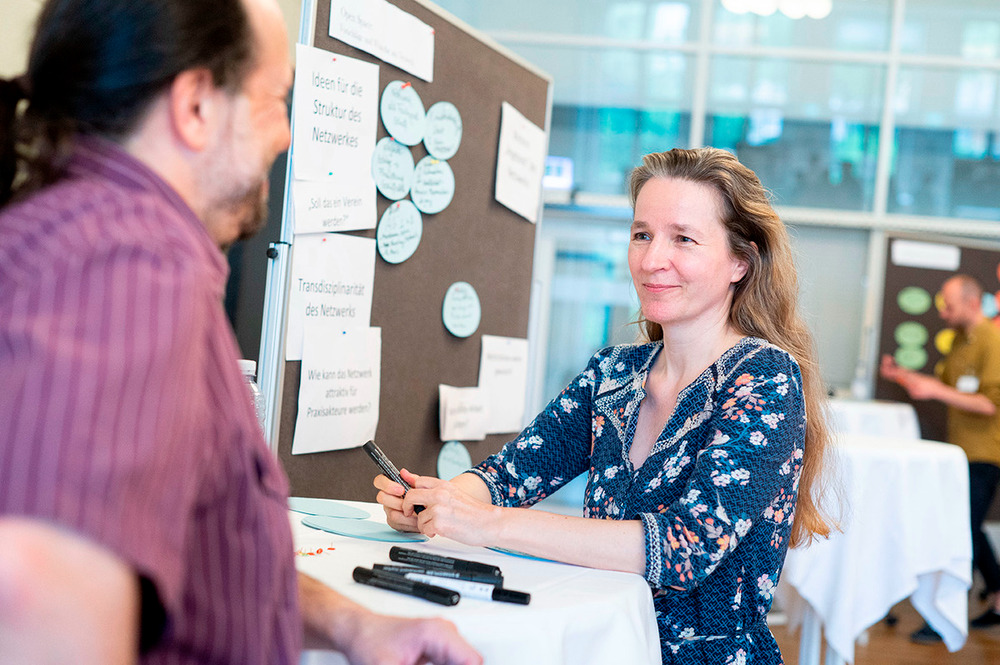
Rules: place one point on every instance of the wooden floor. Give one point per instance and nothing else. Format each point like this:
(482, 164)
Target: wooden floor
(890, 645)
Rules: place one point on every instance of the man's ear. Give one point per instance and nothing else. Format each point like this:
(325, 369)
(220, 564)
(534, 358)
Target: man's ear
(193, 103)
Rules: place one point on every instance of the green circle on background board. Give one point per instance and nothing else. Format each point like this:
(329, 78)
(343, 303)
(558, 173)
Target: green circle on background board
(910, 334)
(453, 460)
(911, 357)
(914, 300)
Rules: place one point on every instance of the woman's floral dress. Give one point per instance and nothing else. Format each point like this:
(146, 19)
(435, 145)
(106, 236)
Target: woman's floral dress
(716, 496)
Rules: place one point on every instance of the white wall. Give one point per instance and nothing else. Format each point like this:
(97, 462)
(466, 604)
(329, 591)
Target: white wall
(17, 23)
(16, 27)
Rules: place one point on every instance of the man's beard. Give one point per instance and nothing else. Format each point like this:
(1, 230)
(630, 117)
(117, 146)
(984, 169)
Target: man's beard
(253, 206)
(246, 210)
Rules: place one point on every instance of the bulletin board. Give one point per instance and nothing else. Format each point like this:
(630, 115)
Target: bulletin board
(911, 329)
(475, 239)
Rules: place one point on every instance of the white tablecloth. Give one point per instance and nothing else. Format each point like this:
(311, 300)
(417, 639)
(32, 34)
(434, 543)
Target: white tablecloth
(577, 615)
(906, 533)
(874, 418)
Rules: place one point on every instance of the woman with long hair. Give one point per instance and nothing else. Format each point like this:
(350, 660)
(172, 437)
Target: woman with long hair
(703, 444)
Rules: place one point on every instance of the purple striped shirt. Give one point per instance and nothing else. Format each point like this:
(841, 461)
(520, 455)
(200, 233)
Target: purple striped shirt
(123, 414)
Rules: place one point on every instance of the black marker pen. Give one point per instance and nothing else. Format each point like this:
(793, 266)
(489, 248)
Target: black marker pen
(392, 582)
(470, 589)
(388, 468)
(482, 571)
(436, 572)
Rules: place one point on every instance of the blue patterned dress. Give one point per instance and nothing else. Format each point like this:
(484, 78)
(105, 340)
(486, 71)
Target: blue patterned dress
(715, 496)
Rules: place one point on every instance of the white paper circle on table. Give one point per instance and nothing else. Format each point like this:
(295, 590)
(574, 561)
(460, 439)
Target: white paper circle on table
(461, 311)
(326, 507)
(361, 529)
(392, 168)
(433, 185)
(443, 131)
(454, 459)
(399, 231)
(403, 113)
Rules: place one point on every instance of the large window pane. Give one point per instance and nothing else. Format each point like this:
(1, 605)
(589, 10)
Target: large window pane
(947, 98)
(592, 300)
(852, 25)
(831, 263)
(970, 29)
(611, 106)
(620, 78)
(947, 143)
(666, 21)
(809, 130)
(606, 143)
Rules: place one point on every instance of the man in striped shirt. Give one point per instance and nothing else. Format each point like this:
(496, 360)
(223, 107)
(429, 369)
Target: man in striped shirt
(141, 515)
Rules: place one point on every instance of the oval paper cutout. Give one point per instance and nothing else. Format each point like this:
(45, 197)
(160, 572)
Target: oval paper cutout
(433, 185)
(392, 168)
(403, 113)
(461, 311)
(443, 130)
(399, 232)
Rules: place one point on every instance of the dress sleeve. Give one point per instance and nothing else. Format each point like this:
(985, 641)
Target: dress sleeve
(745, 478)
(551, 451)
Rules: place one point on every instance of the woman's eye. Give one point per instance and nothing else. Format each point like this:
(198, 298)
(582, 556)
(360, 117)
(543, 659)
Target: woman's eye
(640, 235)
(684, 239)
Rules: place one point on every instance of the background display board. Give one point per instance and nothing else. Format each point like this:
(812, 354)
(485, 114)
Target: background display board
(471, 238)
(911, 330)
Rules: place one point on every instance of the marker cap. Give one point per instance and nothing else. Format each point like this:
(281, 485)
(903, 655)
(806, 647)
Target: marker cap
(510, 596)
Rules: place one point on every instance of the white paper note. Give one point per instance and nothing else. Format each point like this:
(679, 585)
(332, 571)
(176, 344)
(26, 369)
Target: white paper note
(926, 255)
(339, 389)
(385, 31)
(520, 163)
(336, 114)
(332, 279)
(344, 203)
(503, 377)
(462, 413)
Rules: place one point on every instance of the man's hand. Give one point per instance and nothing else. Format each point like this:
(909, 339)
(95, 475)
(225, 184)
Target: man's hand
(921, 386)
(917, 386)
(386, 640)
(367, 638)
(889, 370)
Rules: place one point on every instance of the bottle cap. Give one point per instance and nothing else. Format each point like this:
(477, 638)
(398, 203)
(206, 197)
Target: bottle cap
(248, 366)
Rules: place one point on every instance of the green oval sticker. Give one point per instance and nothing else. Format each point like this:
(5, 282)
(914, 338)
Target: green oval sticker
(911, 334)
(914, 300)
(911, 358)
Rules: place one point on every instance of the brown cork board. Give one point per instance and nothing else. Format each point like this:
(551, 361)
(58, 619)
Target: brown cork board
(978, 259)
(475, 239)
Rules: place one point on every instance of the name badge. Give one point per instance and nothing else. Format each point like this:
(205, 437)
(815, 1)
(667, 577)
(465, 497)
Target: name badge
(967, 383)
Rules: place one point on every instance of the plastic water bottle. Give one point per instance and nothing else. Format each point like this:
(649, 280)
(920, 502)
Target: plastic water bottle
(249, 369)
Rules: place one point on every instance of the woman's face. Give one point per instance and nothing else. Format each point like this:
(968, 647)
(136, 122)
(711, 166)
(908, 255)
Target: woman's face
(679, 254)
